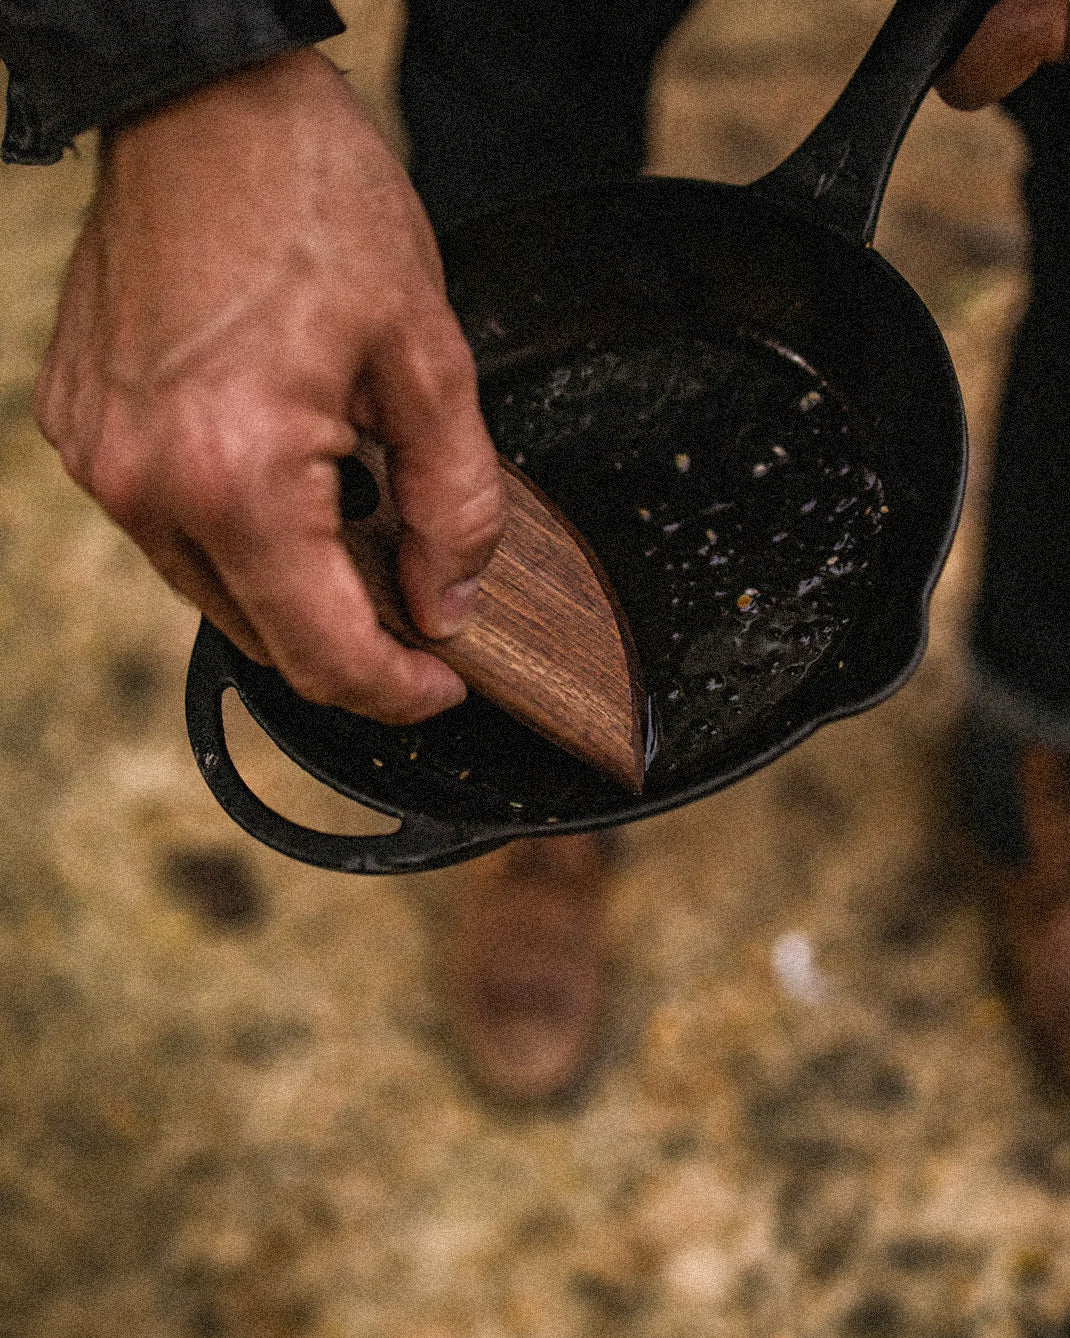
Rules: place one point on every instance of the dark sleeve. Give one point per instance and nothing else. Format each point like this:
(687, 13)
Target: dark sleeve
(73, 64)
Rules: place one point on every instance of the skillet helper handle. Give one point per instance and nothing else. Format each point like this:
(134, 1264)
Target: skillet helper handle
(838, 174)
(419, 843)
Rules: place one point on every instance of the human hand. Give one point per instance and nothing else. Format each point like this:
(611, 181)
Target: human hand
(1015, 39)
(257, 280)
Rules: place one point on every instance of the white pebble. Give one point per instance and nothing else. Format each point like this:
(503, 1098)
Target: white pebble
(793, 964)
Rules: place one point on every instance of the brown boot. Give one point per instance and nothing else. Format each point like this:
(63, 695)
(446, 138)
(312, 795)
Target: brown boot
(1033, 906)
(524, 966)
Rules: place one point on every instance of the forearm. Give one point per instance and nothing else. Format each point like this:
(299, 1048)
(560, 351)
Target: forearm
(74, 64)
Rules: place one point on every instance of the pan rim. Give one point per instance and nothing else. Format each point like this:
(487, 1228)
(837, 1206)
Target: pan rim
(471, 837)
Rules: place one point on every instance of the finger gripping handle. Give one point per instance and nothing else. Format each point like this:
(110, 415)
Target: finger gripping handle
(419, 843)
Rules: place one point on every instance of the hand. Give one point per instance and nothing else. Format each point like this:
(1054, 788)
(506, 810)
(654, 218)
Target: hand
(1015, 39)
(257, 279)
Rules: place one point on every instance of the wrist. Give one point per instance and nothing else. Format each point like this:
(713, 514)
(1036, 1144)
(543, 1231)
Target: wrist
(276, 82)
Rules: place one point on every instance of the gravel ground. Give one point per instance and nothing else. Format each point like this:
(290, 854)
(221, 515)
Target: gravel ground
(226, 1102)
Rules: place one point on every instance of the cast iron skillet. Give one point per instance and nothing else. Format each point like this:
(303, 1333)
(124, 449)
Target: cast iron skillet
(755, 422)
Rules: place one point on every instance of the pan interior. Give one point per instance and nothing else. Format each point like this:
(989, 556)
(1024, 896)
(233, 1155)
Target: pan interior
(755, 423)
(720, 482)
(723, 483)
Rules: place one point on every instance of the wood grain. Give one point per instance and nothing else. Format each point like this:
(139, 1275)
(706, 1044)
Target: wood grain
(549, 643)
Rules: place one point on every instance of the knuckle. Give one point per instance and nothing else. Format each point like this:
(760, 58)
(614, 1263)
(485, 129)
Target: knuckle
(246, 470)
(334, 684)
(473, 525)
(454, 368)
(211, 481)
(114, 484)
(208, 501)
(325, 681)
(438, 363)
(481, 521)
(105, 462)
(71, 459)
(46, 409)
(317, 683)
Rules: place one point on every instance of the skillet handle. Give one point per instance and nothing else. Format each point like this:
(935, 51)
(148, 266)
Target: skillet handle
(838, 174)
(419, 843)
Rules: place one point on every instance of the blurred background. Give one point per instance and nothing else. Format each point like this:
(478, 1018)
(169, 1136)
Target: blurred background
(227, 1106)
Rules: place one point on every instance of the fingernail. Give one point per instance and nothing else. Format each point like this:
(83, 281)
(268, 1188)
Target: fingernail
(457, 605)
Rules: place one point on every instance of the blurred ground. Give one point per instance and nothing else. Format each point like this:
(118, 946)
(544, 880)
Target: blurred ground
(226, 1107)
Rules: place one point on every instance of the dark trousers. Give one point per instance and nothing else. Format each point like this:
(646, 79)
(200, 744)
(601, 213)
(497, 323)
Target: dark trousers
(1021, 639)
(505, 98)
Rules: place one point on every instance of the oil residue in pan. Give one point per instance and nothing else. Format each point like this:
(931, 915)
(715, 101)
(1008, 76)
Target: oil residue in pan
(721, 485)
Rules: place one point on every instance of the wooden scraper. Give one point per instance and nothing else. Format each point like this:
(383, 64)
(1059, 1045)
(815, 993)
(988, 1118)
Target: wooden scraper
(549, 642)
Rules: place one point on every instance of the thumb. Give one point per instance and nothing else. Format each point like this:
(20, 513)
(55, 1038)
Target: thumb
(1015, 39)
(444, 470)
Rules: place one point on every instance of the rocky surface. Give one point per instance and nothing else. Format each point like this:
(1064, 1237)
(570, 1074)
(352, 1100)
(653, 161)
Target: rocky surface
(226, 1102)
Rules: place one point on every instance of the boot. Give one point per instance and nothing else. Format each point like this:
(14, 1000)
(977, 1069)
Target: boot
(1032, 906)
(524, 968)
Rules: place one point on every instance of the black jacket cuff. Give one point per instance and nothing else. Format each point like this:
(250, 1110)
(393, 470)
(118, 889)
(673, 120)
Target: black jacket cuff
(73, 64)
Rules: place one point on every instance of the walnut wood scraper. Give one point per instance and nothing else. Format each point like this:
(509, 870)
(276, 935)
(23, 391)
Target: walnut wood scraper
(549, 642)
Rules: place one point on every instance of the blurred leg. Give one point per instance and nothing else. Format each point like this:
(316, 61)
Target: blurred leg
(518, 97)
(504, 99)
(524, 966)
(1015, 760)
(1022, 634)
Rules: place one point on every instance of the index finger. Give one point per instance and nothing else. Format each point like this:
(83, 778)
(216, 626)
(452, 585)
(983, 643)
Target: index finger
(444, 468)
(307, 604)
